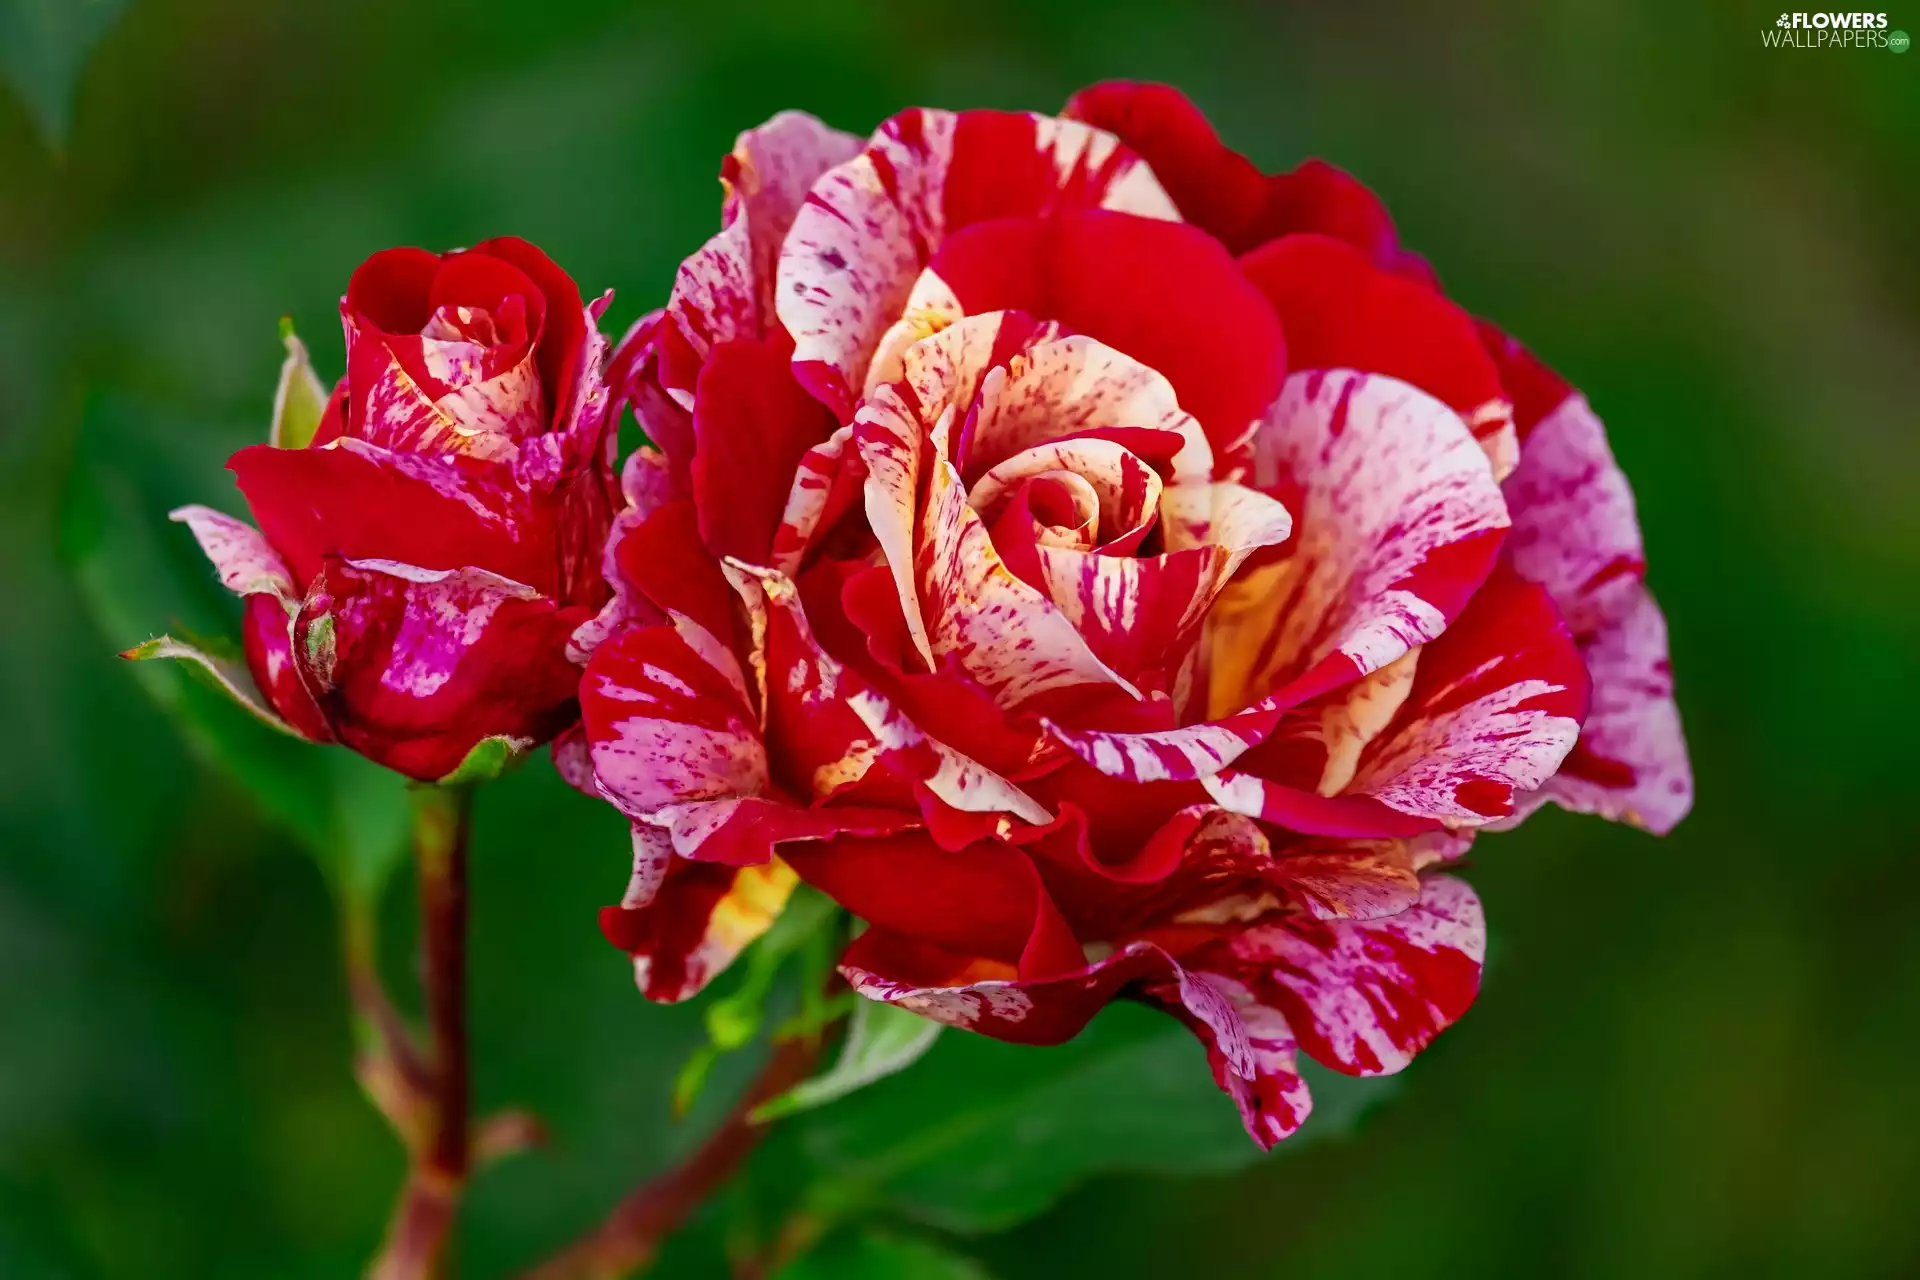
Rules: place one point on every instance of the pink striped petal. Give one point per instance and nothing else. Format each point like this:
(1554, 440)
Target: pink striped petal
(1365, 996)
(1350, 879)
(1249, 1046)
(1631, 761)
(646, 486)
(266, 630)
(988, 996)
(241, 555)
(958, 596)
(1576, 533)
(1058, 387)
(767, 179)
(870, 225)
(1184, 754)
(1299, 809)
(413, 666)
(665, 727)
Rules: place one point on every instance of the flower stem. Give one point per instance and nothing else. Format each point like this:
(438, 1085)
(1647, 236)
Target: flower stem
(433, 1122)
(632, 1234)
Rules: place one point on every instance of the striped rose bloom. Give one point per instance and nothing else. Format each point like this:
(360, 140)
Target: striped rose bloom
(1108, 571)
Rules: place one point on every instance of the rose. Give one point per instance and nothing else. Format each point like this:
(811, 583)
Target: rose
(427, 546)
(1107, 571)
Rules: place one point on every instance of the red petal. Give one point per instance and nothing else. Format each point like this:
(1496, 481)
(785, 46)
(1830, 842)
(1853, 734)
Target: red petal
(1221, 191)
(1340, 311)
(565, 331)
(267, 637)
(752, 424)
(1162, 292)
(391, 289)
(985, 900)
(364, 503)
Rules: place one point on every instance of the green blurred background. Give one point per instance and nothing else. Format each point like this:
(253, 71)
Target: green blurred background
(1692, 1057)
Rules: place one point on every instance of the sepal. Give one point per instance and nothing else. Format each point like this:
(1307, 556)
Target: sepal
(228, 673)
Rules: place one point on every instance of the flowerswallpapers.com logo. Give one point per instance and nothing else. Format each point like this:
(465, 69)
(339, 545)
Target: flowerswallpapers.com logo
(1833, 31)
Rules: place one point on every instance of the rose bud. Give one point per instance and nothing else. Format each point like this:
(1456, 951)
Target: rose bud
(1108, 571)
(429, 541)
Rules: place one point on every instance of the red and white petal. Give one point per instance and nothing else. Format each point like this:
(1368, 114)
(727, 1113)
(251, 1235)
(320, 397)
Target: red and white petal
(824, 487)
(964, 991)
(241, 555)
(1140, 615)
(1247, 791)
(818, 689)
(1192, 752)
(1365, 996)
(981, 909)
(1165, 293)
(957, 595)
(573, 760)
(1397, 520)
(745, 831)
(1248, 1045)
(684, 922)
(723, 292)
(1353, 717)
(1114, 493)
(357, 501)
(1494, 708)
(1005, 634)
(390, 410)
(1052, 388)
(767, 178)
(869, 226)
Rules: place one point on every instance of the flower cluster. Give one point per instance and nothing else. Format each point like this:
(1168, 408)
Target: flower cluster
(1105, 569)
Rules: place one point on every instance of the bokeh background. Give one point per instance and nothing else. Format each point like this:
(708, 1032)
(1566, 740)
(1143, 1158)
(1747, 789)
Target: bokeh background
(1692, 1056)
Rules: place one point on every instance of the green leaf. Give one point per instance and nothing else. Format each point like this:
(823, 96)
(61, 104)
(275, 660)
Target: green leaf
(982, 1135)
(883, 1255)
(487, 760)
(300, 399)
(44, 46)
(881, 1040)
(735, 1019)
